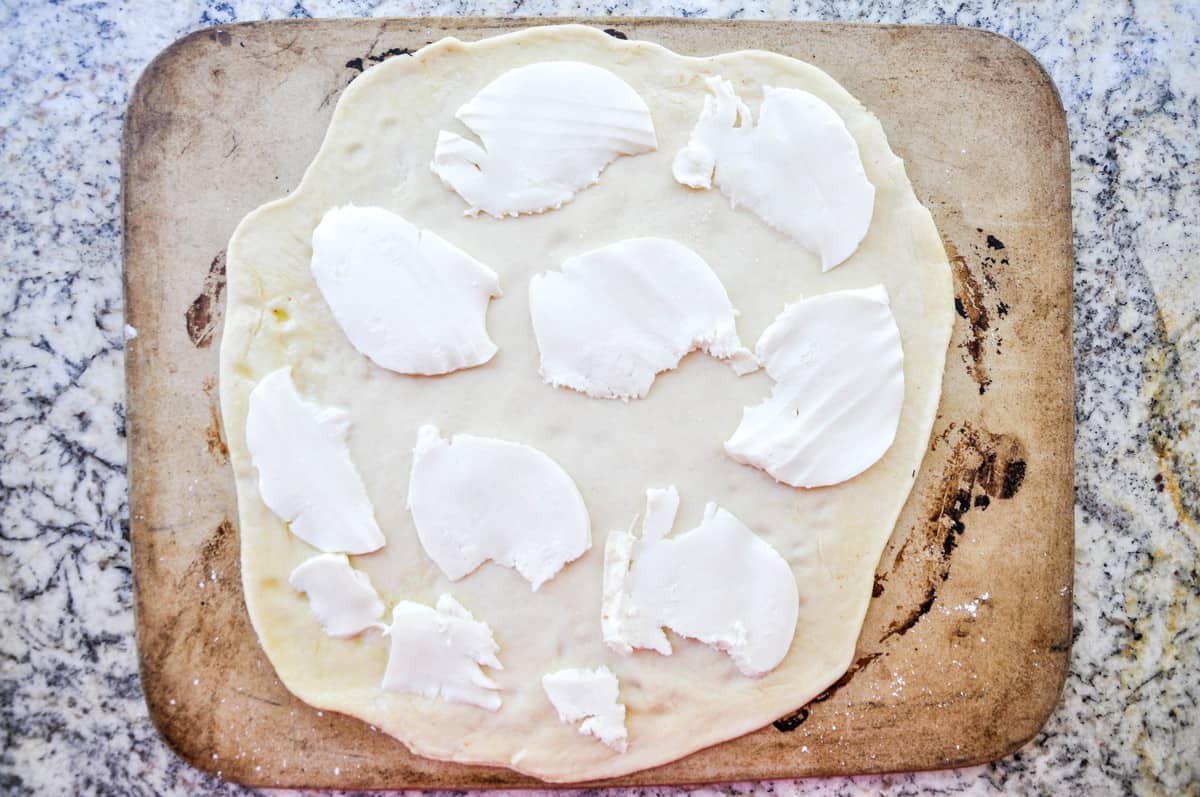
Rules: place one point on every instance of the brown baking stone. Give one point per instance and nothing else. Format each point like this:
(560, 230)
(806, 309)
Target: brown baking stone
(227, 119)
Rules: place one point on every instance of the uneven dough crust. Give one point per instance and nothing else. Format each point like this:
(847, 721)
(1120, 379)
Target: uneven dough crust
(377, 152)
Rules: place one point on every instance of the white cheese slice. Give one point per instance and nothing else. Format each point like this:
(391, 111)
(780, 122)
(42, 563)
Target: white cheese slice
(548, 130)
(342, 598)
(475, 499)
(720, 584)
(305, 475)
(438, 653)
(615, 317)
(403, 296)
(838, 368)
(591, 696)
(798, 169)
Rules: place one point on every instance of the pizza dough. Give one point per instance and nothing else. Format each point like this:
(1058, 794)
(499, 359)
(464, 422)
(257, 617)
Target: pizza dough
(377, 152)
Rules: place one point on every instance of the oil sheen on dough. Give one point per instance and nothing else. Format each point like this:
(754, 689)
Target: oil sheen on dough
(377, 153)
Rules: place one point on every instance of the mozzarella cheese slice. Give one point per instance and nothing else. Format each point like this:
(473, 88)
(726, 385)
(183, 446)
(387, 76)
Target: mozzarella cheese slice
(798, 169)
(438, 653)
(342, 598)
(403, 296)
(614, 318)
(475, 499)
(548, 130)
(305, 475)
(838, 368)
(589, 697)
(720, 584)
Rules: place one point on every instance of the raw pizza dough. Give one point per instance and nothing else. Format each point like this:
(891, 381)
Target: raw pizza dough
(377, 152)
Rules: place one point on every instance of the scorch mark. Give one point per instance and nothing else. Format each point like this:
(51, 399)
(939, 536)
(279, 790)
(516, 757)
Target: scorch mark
(203, 314)
(981, 467)
(976, 302)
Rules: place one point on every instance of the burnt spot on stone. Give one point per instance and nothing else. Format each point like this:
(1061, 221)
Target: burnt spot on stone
(389, 53)
(858, 666)
(792, 721)
(203, 314)
(980, 467)
(914, 615)
(201, 639)
(1014, 474)
(361, 64)
(214, 437)
(977, 271)
(971, 305)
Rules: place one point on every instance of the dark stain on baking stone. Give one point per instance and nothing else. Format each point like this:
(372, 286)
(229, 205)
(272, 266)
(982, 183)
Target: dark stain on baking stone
(981, 467)
(216, 555)
(206, 621)
(792, 721)
(976, 302)
(361, 64)
(214, 437)
(858, 666)
(203, 314)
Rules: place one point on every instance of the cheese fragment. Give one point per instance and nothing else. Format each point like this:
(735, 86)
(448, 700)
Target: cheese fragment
(403, 296)
(548, 129)
(589, 696)
(720, 584)
(342, 598)
(838, 368)
(305, 475)
(798, 169)
(475, 499)
(615, 317)
(438, 653)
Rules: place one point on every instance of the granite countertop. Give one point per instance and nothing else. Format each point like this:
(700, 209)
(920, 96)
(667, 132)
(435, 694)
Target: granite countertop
(72, 717)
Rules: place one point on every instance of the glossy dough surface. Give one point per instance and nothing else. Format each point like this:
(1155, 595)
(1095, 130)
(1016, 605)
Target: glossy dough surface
(377, 152)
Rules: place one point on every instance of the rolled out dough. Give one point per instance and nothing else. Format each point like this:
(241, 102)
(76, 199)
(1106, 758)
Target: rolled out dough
(377, 152)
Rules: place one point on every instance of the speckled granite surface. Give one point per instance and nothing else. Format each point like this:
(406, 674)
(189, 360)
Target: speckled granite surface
(71, 713)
